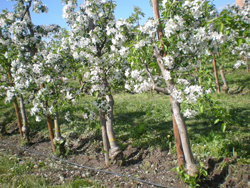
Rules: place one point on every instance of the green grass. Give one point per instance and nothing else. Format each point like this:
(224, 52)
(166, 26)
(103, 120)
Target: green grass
(14, 174)
(17, 173)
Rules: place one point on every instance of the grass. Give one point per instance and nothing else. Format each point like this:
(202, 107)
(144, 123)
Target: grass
(17, 173)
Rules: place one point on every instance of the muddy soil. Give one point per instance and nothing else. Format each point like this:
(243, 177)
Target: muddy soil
(151, 165)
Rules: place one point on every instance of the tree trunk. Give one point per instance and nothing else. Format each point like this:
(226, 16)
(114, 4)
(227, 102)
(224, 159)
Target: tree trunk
(59, 141)
(189, 158)
(179, 151)
(25, 128)
(216, 76)
(225, 87)
(51, 133)
(115, 152)
(104, 136)
(157, 17)
(180, 157)
(239, 2)
(19, 122)
(50, 127)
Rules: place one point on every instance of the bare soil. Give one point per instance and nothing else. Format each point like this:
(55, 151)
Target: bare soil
(151, 165)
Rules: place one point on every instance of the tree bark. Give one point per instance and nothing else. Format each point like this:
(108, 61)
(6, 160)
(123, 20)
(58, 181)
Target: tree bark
(189, 158)
(50, 126)
(115, 152)
(19, 122)
(225, 87)
(179, 151)
(59, 141)
(51, 133)
(25, 128)
(157, 17)
(216, 76)
(104, 136)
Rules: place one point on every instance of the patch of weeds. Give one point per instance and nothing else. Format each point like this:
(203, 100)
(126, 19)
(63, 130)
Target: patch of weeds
(193, 181)
(138, 130)
(16, 173)
(78, 183)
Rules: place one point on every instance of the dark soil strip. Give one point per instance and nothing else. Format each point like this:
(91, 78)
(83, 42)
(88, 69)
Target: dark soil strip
(87, 167)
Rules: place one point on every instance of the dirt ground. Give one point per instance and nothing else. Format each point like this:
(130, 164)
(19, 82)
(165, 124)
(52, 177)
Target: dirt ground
(149, 165)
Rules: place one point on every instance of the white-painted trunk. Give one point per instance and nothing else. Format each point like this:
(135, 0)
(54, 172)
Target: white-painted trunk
(115, 152)
(189, 158)
(25, 128)
(104, 136)
(59, 141)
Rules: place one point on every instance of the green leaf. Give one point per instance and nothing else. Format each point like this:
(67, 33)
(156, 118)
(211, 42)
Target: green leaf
(223, 127)
(221, 27)
(239, 41)
(210, 21)
(201, 108)
(165, 48)
(104, 151)
(216, 121)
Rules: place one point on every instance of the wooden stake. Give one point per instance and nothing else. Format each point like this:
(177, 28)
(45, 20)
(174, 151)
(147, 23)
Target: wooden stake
(216, 75)
(51, 133)
(50, 126)
(19, 121)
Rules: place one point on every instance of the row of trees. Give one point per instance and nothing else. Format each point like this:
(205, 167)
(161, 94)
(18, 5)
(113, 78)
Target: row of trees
(165, 54)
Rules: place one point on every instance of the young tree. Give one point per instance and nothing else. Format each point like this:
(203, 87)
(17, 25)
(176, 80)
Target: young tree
(183, 40)
(96, 39)
(24, 39)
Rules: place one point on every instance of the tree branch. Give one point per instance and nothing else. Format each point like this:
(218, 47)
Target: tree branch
(155, 87)
(28, 7)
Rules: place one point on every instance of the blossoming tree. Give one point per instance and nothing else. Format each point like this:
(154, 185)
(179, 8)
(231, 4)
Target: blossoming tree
(97, 40)
(183, 40)
(23, 40)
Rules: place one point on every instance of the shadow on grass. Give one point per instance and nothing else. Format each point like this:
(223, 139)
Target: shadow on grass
(238, 82)
(142, 132)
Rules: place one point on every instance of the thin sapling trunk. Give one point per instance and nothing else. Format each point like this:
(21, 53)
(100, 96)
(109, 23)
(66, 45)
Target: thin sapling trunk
(50, 127)
(246, 63)
(25, 128)
(191, 165)
(104, 136)
(59, 141)
(19, 122)
(115, 152)
(179, 151)
(225, 87)
(51, 133)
